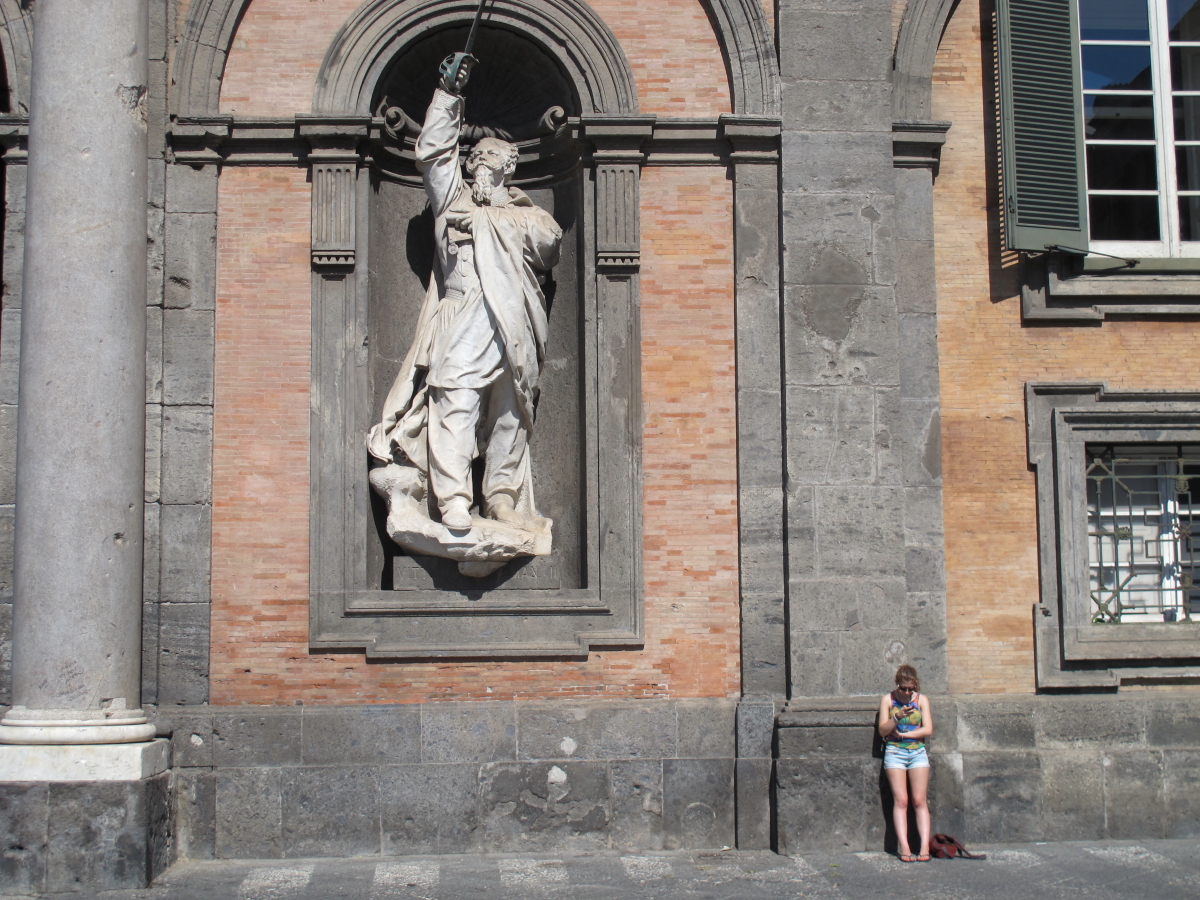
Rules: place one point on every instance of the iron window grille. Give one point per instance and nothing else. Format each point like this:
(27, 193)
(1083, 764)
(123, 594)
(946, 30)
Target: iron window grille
(1143, 509)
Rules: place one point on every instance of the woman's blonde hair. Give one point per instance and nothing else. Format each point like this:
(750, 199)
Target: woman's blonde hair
(908, 673)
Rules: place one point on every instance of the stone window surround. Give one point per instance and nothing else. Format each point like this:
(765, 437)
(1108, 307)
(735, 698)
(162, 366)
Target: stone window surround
(1061, 419)
(1057, 287)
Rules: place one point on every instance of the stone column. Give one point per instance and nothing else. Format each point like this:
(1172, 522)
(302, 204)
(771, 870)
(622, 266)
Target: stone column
(81, 437)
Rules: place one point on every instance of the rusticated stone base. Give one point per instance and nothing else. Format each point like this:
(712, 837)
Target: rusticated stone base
(68, 837)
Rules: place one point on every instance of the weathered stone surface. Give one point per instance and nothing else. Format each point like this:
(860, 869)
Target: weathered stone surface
(845, 792)
(924, 569)
(841, 44)
(248, 822)
(946, 807)
(152, 552)
(8, 463)
(814, 663)
(10, 354)
(468, 732)
(5, 654)
(1181, 786)
(860, 531)
(187, 356)
(186, 553)
(186, 454)
(995, 726)
(753, 784)
(97, 836)
(153, 452)
(361, 735)
(1103, 723)
(191, 189)
(545, 806)
(183, 643)
(429, 809)
(256, 737)
(839, 105)
(698, 803)
(1173, 723)
(189, 260)
(1073, 796)
(759, 423)
(755, 729)
(636, 788)
(921, 433)
(195, 804)
(149, 683)
(841, 334)
(831, 435)
(191, 736)
(764, 651)
(918, 357)
(802, 531)
(890, 448)
(923, 517)
(646, 729)
(1133, 789)
(826, 740)
(914, 292)
(837, 161)
(1003, 796)
(330, 811)
(23, 829)
(707, 728)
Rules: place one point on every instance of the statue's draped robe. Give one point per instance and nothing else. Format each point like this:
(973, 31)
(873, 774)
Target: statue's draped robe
(498, 330)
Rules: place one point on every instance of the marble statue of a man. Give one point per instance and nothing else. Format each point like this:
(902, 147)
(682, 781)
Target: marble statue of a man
(469, 383)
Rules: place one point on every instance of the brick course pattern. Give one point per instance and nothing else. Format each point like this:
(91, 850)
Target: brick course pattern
(987, 356)
(675, 57)
(260, 467)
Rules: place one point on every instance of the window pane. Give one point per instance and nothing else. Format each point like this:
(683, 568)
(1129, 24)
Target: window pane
(1187, 167)
(1189, 230)
(1183, 16)
(1123, 218)
(1119, 117)
(1121, 167)
(1185, 68)
(1116, 68)
(1187, 118)
(1113, 20)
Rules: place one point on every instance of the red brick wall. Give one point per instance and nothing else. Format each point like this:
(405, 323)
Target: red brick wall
(260, 466)
(674, 55)
(986, 358)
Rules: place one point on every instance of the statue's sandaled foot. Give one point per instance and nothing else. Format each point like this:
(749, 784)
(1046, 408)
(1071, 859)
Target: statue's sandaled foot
(457, 517)
(502, 510)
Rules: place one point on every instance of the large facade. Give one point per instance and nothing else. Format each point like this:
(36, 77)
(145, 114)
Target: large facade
(830, 385)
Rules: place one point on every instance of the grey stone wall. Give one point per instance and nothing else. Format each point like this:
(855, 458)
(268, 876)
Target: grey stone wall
(453, 778)
(865, 568)
(1004, 769)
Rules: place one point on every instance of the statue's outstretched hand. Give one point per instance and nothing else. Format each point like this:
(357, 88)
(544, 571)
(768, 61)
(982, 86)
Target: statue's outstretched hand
(456, 70)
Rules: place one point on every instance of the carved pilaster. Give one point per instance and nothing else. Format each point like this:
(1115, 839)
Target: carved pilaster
(617, 156)
(334, 160)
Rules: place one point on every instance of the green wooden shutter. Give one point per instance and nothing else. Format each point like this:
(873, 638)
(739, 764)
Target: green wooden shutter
(1045, 198)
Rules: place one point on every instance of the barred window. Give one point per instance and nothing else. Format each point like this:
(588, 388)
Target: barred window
(1143, 507)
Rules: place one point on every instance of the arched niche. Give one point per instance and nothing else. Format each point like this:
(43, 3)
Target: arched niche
(551, 78)
(16, 45)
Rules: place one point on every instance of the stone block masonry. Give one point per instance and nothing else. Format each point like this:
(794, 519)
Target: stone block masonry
(453, 778)
(260, 466)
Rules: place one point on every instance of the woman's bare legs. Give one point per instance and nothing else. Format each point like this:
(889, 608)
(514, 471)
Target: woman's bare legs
(918, 783)
(898, 779)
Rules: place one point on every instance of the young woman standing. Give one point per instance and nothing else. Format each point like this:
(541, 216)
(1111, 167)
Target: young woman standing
(904, 723)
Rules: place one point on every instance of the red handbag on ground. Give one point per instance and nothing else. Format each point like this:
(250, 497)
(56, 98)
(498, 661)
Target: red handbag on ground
(945, 847)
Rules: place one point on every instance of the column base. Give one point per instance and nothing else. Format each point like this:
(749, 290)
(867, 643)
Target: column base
(87, 762)
(75, 726)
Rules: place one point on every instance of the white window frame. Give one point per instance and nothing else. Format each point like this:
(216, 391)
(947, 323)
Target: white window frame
(1164, 140)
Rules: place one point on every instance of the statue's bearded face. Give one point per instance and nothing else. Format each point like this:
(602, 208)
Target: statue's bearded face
(490, 165)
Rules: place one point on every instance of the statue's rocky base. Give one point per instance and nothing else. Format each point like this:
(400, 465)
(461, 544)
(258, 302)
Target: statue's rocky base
(479, 551)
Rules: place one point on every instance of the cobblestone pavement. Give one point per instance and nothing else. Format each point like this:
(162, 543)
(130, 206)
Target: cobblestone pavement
(1108, 870)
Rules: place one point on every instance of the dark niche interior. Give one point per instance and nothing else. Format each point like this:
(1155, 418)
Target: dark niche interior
(514, 82)
(517, 92)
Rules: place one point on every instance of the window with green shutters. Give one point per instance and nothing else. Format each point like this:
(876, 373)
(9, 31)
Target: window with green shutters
(1101, 125)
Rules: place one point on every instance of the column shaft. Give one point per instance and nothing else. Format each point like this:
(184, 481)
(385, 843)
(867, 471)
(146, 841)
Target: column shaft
(81, 433)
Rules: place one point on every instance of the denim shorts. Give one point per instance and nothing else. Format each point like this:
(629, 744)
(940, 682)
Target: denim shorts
(898, 758)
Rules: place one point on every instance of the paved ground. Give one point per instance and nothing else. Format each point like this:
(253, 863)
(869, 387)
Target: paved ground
(1109, 870)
